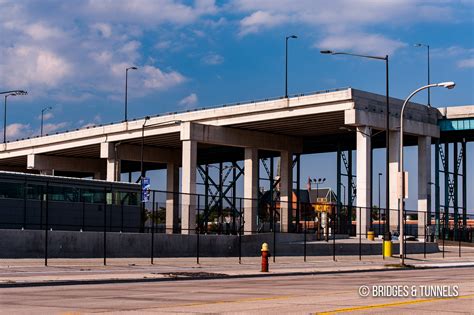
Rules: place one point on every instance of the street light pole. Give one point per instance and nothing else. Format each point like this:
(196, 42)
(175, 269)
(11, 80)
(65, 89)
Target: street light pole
(428, 52)
(380, 174)
(401, 177)
(42, 118)
(7, 94)
(126, 90)
(286, 63)
(387, 236)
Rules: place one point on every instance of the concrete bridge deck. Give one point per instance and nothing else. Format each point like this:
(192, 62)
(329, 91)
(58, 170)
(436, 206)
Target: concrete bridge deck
(244, 132)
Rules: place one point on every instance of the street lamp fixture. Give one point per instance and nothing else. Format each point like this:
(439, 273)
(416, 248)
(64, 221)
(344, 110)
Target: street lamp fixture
(7, 94)
(126, 91)
(428, 51)
(317, 181)
(42, 117)
(387, 236)
(448, 85)
(286, 62)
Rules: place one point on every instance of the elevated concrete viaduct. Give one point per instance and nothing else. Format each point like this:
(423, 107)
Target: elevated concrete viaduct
(245, 132)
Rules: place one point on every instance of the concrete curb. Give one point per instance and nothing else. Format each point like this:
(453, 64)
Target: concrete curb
(177, 277)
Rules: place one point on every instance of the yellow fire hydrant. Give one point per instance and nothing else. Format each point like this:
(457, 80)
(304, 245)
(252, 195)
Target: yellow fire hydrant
(265, 255)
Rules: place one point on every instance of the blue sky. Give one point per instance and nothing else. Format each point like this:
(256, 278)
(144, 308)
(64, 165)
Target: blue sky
(72, 55)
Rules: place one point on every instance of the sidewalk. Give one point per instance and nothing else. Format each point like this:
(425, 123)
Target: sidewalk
(32, 272)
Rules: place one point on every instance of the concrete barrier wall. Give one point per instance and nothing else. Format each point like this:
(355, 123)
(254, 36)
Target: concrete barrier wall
(71, 244)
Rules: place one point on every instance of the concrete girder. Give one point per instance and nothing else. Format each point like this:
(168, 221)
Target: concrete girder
(357, 117)
(226, 136)
(59, 163)
(129, 152)
(255, 111)
(87, 137)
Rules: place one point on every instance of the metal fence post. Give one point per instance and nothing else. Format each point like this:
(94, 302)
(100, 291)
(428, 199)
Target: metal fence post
(424, 243)
(240, 232)
(25, 196)
(360, 235)
(274, 232)
(105, 226)
(197, 232)
(41, 208)
(46, 226)
(81, 192)
(444, 232)
(404, 217)
(333, 236)
(152, 228)
(459, 237)
(305, 227)
(383, 244)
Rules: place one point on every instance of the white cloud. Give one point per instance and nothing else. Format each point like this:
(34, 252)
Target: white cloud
(360, 43)
(39, 31)
(46, 116)
(189, 101)
(260, 20)
(130, 49)
(83, 46)
(30, 65)
(154, 78)
(452, 51)
(103, 57)
(50, 128)
(163, 44)
(334, 20)
(466, 63)
(212, 59)
(149, 12)
(18, 130)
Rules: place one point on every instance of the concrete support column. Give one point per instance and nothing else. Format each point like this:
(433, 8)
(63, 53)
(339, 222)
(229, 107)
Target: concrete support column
(188, 187)
(109, 151)
(424, 189)
(113, 170)
(172, 197)
(286, 190)
(250, 190)
(364, 177)
(393, 187)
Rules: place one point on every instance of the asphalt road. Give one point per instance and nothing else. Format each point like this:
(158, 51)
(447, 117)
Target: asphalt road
(335, 293)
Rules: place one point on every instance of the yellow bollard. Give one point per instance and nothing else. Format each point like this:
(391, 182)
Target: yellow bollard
(387, 248)
(370, 235)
